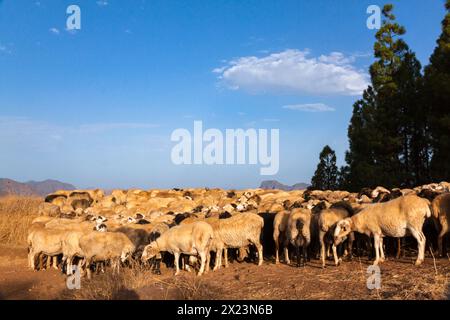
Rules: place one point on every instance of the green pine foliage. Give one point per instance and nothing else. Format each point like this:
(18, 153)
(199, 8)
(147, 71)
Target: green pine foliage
(326, 175)
(399, 133)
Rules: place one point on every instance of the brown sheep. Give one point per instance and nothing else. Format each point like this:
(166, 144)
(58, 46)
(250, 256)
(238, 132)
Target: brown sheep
(327, 221)
(441, 212)
(280, 223)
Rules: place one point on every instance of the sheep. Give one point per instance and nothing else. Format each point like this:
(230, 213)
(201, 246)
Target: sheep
(49, 209)
(298, 233)
(56, 199)
(190, 239)
(71, 245)
(70, 224)
(279, 234)
(155, 231)
(379, 190)
(71, 248)
(238, 231)
(395, 218)
(441, 212)
(138, 236)
(327, 220)
(104, 246)
(44, 241)
(80, 204)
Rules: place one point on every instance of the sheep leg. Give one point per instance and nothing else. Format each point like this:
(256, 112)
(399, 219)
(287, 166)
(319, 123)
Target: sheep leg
(88, 267)
(32, 256)
(260, 254)
(55, 262)
(297, 253)
(68, 262)
(322, 248)
(177, 262)
(304, 256)
(399, 248)
(277, 248)
(218, 262)
(157, 266)
(382, 257)
(116, 266)
(376, 239)
(420, 237)
(80, 267)
(225, 251)
(40, 260)
(444, 230)
(208, 260)
(351, 239)
(202, 265)
(335, 256)
(185, 262)
(286, 255)
(48, 262)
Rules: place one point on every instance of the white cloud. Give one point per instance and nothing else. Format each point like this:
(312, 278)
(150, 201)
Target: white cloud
(54, 30)
(293, 71)
(309, 107)
(102, 3)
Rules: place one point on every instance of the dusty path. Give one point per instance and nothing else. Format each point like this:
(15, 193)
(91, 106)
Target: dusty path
(19, 282)
(400, 279)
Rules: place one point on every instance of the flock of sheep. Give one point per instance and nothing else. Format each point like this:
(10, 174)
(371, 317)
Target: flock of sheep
(203, 226)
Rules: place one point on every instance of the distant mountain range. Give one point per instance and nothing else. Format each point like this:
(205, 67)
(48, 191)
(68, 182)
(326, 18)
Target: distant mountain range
(273, 184)
(38, 188)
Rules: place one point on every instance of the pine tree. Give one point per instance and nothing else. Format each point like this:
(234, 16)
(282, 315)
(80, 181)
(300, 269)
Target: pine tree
(382, 133)
(325, 177)
(437, 93)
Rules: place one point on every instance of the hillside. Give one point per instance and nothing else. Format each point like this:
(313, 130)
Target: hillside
(39, 188)
(273, 184)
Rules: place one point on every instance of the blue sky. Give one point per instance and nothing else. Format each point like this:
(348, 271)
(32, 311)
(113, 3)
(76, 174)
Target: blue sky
(96, 107)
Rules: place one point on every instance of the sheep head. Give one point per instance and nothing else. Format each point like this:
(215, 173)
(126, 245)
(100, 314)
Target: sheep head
(150, 251)
(126, 253)
(343, 228)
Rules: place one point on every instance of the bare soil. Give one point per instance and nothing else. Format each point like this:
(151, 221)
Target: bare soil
(400, 279)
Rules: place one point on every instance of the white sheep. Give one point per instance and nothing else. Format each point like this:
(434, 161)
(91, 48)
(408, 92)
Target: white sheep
(396, 218)
(105, 246)
(190, 239)
(237, 231)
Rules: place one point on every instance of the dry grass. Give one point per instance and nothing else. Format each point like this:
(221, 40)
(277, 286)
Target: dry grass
(138, 281)
(16, 214)
(195, 288)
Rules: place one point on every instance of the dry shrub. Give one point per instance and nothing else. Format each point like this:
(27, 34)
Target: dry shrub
(108, 286)
(101, 287)
(16, 214)
(133, 282)
(195, 288)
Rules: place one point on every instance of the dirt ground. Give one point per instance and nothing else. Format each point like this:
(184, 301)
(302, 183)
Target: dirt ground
(400, 279)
